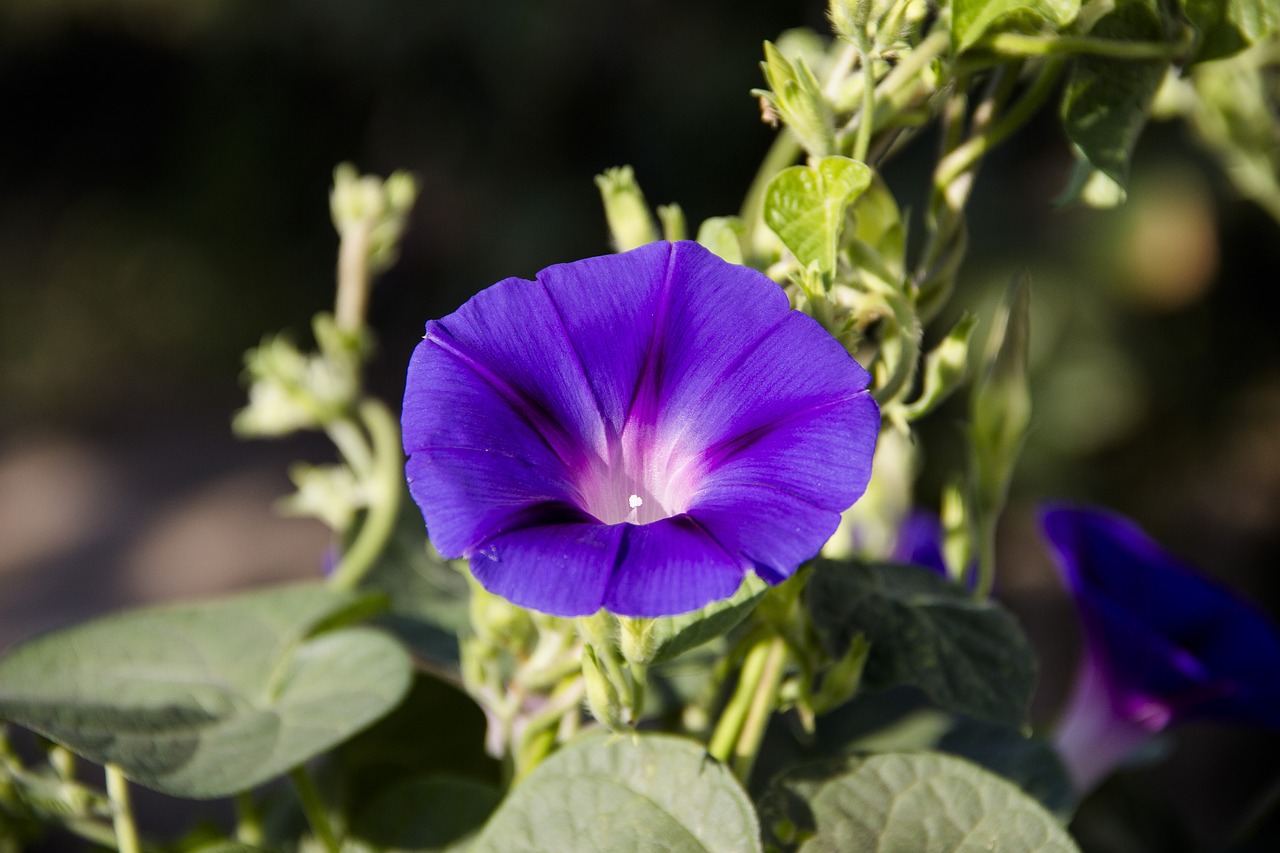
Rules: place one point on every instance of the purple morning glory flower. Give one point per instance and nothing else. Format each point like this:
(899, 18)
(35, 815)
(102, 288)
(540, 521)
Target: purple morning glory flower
(919, 542)
(1162, 643)
(634, 432)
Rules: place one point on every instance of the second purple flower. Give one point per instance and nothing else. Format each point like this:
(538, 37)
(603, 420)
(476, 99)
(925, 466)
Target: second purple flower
(634, 432)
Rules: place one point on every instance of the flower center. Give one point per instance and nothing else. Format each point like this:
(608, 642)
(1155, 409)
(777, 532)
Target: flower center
(636, 485)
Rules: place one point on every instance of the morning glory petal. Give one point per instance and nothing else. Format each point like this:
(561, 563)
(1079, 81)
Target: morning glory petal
(1164, 634)
(644, 428)
(1162, 644)
(664, 565)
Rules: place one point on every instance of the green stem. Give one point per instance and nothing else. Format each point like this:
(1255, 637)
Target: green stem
(248, 821)
(729, 727)
(764, 700)
(907, 71)
(867, 119)
(121, 812)
(1017, 44)
(966, 155)
(351, 443)
(315, 809)
(386, 484)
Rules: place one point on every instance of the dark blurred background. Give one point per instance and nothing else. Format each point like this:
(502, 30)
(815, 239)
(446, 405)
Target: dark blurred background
(164, 169)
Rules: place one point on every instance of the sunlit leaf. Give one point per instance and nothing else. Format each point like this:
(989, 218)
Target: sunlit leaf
(628, 792)
(205, 700)
(906, 803)
(805, 206)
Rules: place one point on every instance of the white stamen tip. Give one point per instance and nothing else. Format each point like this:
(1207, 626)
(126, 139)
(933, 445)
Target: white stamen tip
(635, 501)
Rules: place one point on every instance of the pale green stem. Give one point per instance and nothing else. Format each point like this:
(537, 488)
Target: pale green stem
(121, 812)
(1018, 44)
(867, 120)
(764, 700)
(354, 281)
(351, 443)
(386, 483)
(314, 808)
(729, 727)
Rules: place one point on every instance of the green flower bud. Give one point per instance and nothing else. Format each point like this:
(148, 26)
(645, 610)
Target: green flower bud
(628, 215)
(945, 368)
(795, 97)
(602, 696)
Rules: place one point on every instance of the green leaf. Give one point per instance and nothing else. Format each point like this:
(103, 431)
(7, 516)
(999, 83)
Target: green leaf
(1229, 26)
(426, 813)
(1107, 101)
(904, 721)
(206, 700)
(675, 635)
(428, 597)
(630, 792)
(966, 654)
(805, 206)
(906, 803)
(972, 19)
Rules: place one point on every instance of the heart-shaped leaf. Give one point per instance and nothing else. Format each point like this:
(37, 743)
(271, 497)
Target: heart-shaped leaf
(630, 792)
(206, 700)
(906, 803)
(966, 654)
(805, 206)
